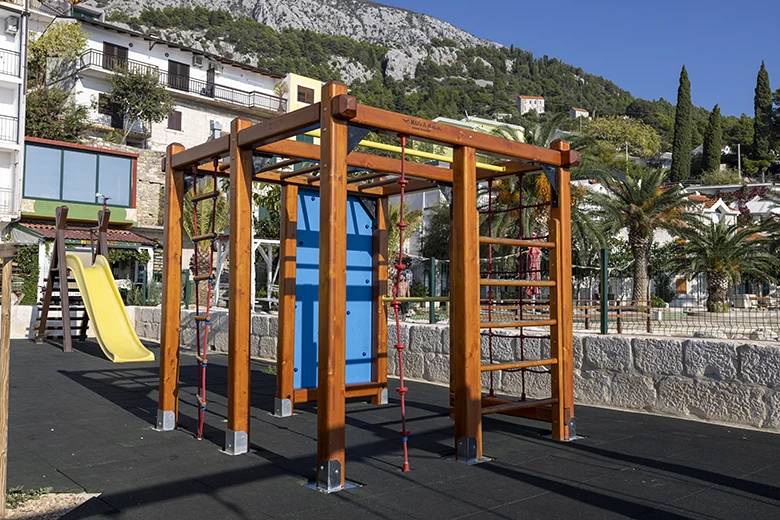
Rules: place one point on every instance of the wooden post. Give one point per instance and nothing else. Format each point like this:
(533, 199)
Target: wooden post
(168, 400)
(561, 340)
(285, 346)
(60, 222)
(379, 368)
(464, 321)
(241, 292)
(332, 294)
(8, 252)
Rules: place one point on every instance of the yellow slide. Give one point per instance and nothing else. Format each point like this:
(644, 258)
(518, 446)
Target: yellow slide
(114, 332)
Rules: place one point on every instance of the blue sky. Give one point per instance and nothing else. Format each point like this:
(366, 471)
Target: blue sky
(639, 45)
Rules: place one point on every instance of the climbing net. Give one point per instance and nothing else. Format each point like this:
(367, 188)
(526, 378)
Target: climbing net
(203, 274)
(396, 304)
(524, 264)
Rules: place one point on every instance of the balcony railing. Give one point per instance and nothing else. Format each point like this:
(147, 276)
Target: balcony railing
(9, 62)
(9, 128)
(113, 63)
(252, 99)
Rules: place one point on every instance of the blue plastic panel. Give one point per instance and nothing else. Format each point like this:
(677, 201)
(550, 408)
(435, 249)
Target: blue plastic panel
(360, 279)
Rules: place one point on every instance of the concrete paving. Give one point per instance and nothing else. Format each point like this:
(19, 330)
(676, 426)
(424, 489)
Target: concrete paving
(79, 422)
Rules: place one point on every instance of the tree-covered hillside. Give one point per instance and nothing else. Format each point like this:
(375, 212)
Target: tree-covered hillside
(448, 81)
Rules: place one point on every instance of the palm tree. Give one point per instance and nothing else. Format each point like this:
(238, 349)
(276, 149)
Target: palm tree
(641, 205)
(724, 253)
(206, 208)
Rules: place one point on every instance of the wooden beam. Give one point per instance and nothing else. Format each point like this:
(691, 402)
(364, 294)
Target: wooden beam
(203, 152)
(303, 171)
(517, 405)
(307, 395)
(273, 178)
(414, 186)
(367, 177)
(241, 292)
(431, 131)
(279, 165)
(377, 184)
(360, 160)
(464, 321)
(8, 252)
(537, 413)
(280, 128)
(561, 342)
(168, 399)
(514, 365)
(379, 343)
(285, 346)
(332, 295)
(496, 282)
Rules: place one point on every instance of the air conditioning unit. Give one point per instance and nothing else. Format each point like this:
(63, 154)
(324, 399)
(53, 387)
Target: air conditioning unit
(198, 61)
(12, 25)
(218, 67)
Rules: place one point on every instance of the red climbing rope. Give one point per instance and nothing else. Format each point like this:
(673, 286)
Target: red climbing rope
(202, 336)
(396, 304)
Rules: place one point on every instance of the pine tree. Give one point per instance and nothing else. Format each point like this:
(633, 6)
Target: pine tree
(713, 140)
(681, 146)
(762, 123)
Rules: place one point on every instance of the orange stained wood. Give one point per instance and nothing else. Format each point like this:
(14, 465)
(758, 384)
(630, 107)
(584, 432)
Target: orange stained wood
(280, 128)
(241, 290)
(182, 158)
(285, 347)
(516, 283)
(537, 413)
(452, 136)
(379, 367)
(519, 405)
(518, 364)
(465, 333)
(333, 284)
(562, 375)
(516, 242)
(171, 289)
(306, 395)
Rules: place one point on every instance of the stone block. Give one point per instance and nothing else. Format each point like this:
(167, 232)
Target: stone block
(577, 354)
(425, 338)
(392, 363)
(437, 368)
(503, 347)
(532, 348)
(414, 365)
(260, 325)
(273, 325)
(760, 364)
(592, 387)
(267, 347)
(658, 356)
(537, 386)
(445, 340)
(773, 410)
(720, 401)
(711, 359)
(392, 338)
(632, 391)
(607, 353)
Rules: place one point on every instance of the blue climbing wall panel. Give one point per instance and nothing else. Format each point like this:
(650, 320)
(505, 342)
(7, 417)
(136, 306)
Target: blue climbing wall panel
(360, 280)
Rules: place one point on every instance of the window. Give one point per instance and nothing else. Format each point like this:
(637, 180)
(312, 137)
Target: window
(111, 110)
(114, 56)
(305, 95)
(174, 120)
(73, 175)
(681, 286)
(178, 75)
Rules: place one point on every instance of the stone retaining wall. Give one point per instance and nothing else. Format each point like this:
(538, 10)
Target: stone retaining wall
(713, 380)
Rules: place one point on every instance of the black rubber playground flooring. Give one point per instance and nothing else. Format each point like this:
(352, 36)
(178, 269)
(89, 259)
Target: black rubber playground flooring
(79, 422)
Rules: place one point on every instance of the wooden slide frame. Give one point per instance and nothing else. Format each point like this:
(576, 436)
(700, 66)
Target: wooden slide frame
(333, 116)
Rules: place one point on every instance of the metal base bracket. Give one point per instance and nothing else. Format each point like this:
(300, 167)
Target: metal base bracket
(282, 407)
(572, 432)
(329, 476)
(236, 443)
(383, 397)
(466, 451)
(166, 420)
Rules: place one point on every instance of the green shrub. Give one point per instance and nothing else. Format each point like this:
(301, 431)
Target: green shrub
(657, 301)
(418, 290)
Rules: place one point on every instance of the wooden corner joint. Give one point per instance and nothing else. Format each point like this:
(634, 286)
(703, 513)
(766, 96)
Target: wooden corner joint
(570, 158)
(344, 106)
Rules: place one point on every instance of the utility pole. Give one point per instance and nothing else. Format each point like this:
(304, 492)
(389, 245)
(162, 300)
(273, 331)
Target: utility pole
(739, 159)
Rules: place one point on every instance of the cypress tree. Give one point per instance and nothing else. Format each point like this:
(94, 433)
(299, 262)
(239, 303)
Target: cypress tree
(762, 123)
(713, 139)
(681, 146)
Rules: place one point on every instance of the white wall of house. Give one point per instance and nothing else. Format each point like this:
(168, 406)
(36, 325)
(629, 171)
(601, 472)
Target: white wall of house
(13, 45)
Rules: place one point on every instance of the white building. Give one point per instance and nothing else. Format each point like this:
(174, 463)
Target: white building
(13, 56)
(527, 104)
(579, 112)
(209, 91)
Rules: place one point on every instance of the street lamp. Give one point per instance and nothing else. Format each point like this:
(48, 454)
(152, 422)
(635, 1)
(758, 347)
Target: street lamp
(101, 196)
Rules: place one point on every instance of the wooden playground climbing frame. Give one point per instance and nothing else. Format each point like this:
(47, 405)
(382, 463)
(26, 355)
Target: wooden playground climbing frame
(335, 116)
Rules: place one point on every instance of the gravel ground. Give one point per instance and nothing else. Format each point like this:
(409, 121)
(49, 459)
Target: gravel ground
(50, 506)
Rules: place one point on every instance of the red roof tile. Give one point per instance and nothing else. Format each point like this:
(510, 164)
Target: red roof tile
(81, 232)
